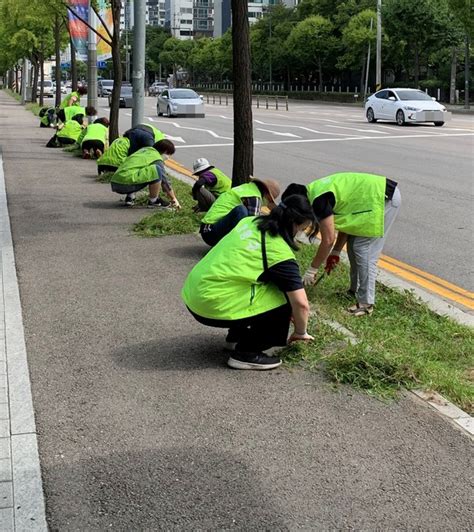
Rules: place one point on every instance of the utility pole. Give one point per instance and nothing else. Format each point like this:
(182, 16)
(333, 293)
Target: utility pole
(367, 68)
(378, 74)
(92, 61)
(24, 80)
(467, 74)
(138, 74)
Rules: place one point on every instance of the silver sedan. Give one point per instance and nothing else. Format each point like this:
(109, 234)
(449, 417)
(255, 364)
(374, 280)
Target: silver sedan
(180, 102)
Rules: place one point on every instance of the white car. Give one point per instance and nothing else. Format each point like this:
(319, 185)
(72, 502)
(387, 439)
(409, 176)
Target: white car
(180, 102)
(405, 106)
(48, 88)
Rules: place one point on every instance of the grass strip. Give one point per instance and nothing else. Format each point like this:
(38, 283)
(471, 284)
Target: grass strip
(13, 94)
(403, 344)
(163, 223)
(34, 108)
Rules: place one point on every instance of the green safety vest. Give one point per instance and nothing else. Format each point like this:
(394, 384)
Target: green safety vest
(138, 168)
(360, 202)
(71, 130)
(116, 154)
(73, 110)
(230, 199)
(224, 284)
(65, 103)
(96, 132)
(223, 183)
(45, 118)
(159, 135)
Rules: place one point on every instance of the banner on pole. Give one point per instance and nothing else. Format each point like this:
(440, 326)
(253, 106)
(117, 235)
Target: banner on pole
(104, 51)
(77, 29)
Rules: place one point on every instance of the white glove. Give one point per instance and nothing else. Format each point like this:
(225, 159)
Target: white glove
(310, 276)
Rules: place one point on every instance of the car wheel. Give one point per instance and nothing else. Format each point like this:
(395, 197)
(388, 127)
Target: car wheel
(158, 111)
(439, 124)
(400, 118)
(170, 113)
(370, 115)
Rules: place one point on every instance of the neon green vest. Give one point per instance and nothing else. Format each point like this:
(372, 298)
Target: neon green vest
(224, 284)
(138, 168)
(73, 110)
(223, 183)
(65, 103)
(230, 199)
(96, 132)
(159, 135)
(116, 154)
(71, 130)
(360, 202)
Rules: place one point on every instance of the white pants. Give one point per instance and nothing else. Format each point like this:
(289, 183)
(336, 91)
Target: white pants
(364, 252)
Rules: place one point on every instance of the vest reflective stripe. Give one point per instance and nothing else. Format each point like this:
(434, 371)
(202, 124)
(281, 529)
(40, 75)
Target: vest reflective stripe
(224, 284)
(223, 183)
(138, 168)
(71, 130)
(360, 202)
(230, 199)
(73, 110)
(66, 102)
(116, 154)
(96, 132)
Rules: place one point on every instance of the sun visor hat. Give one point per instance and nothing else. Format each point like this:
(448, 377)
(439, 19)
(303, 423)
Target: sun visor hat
(272, 187)
(200, 165)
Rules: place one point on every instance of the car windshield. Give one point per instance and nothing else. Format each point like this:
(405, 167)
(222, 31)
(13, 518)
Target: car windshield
(47, 84)
(107, 82)
(413, 95)
(184, 94)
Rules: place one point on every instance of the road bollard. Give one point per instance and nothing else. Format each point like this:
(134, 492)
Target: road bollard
(227, 100)
(287, 103)
(266, 102)
(258, 102)
(220, 99)
(276, 102)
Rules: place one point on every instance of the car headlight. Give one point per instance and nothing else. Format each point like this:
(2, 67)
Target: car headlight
(174, 105)
(443, 109)
(409, 108)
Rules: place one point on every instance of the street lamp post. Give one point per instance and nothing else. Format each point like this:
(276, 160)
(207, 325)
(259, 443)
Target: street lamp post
(138, 73)
(378, 72)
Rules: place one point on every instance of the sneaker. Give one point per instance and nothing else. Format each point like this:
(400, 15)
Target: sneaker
(159, 203)
(255, 361)
(129, 201)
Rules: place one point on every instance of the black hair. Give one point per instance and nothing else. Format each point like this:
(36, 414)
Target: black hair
(78, 118)
(165, 146)
(104, 121)
(91, 110)
(293, 189)
(296, 209)
(82, 90)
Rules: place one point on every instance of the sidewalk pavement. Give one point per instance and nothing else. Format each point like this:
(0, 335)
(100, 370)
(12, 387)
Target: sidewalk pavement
(140, 423)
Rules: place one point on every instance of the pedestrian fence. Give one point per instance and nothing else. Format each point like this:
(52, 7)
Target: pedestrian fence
(267, 102)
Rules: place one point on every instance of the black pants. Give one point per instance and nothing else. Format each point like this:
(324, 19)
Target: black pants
(93, 145)
(105, 168)
(257, 333)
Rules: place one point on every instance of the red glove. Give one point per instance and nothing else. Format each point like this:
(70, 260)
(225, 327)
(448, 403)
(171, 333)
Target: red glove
(331, 262)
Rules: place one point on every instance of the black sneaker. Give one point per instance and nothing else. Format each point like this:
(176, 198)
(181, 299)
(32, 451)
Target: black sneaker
(256, 361)
(159, 203)
(129, 201)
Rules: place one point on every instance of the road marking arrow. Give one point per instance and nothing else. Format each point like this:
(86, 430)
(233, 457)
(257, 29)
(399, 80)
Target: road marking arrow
(177, 139)
(278, 133)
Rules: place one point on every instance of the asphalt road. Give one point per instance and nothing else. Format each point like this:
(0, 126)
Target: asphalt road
(142, 426)
(434, 167)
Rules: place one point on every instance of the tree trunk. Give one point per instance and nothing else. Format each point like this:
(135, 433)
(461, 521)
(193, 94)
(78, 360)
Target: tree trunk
(320, 66)
(17, 83)
(452, 84)
(117, 65)
(41, 67)
(362, 76)
(466, 74)
(242, 167)
(57, 53)
(73, 68)
(417, 67)
(34, 89)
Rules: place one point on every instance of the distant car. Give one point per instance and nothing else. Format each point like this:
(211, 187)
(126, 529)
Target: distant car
(180, 102)
(126, 96)
(48, 89)
(405, 106)
(104, 87)
(156, 88)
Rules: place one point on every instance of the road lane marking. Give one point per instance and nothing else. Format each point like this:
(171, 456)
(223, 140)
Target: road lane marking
(358, 129)
(300, 127)
(212, 133)
(278, 133)
(304, 141)
(169, 137)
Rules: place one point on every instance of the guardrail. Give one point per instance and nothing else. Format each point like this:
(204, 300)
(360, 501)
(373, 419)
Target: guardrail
(260, 101)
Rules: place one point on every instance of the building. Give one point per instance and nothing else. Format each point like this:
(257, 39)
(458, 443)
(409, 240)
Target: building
(203, 18)
(179, 18)
(223, 17)
(156, 12)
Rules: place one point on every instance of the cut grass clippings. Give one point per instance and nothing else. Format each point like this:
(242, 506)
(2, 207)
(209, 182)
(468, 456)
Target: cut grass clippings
(403, 344)
(162, 223)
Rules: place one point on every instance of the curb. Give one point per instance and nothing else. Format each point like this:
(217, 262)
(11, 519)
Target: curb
(21, 487)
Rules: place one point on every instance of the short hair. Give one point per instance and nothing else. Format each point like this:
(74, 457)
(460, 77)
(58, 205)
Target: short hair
(82, 90)
(91, 110)
(165, 146)
(104, 121)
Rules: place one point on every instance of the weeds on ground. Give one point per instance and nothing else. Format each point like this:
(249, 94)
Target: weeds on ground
(402, 344)
(34, 108)
(163, 223)
(13, 94)
(105, 177)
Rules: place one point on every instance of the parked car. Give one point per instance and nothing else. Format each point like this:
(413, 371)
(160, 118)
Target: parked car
(126, 96)
(104, 87)
(156, 88)
(405, 106)
(180, 102)
(48, 89)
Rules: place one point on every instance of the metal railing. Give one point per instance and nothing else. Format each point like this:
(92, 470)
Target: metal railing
(260, 101)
